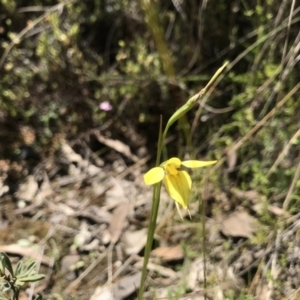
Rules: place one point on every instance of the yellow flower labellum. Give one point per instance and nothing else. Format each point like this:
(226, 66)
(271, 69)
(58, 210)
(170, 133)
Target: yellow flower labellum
(179, 187)
(178, 183)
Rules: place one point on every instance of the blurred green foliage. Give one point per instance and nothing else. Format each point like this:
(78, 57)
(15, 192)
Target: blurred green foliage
(55, 73)
(13, 279)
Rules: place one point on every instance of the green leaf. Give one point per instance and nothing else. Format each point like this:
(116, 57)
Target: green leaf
(5, 264)
(19, 268)
(31, 278)
(37, 297)
(30, 269)
(6, 287)
(19, 283)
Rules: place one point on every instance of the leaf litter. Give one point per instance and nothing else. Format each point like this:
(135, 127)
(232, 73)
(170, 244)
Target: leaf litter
(91, 222)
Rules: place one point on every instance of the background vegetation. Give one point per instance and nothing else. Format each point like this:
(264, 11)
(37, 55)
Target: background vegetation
(61, 59)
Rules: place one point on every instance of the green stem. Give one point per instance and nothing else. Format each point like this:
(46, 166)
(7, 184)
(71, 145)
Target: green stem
(15, 292)
(151, 231)
(157, 187)
(153, 215)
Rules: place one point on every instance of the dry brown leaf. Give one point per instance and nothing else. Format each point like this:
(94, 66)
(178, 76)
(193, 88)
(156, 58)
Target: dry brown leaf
(92, 170)
(69, 153)
(115, 194)
(31, 252)
(116, 145)
(134, 241)
(4, 167)
(249, 195)
(164, 271)
(263, 292)
(120, 290)
(196, 273)
(65, 209)
(168, 253)
(103, 293)
(126, 286)
(95, 213)
(118, 221)
(23, 296)
(231, 160)
(84, 236)
(92, 246)
(68, 261)
(277, 211)
(3, 224)
(27, 189)
(238, 224)
(3, 188)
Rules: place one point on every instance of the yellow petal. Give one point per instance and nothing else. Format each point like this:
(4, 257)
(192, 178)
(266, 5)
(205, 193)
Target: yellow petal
(154, 175)
(197, 163)
(179, 187)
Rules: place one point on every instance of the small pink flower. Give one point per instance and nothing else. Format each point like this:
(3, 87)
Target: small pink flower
(105, 105)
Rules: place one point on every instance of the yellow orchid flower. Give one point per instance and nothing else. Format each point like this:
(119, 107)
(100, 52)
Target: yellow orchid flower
(178, 183)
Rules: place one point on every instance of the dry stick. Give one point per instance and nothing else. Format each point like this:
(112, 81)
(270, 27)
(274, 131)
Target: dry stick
(109, 267)
(296, 295)
(292, 186)
(30, 26)
(75, 283)
(254, 282)
(135, 166)
(43, 242)
(238, 144)
(127, 171)
(288, 31)
(123, 267)
(274, 261)
(204, 242)
(284, 152)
